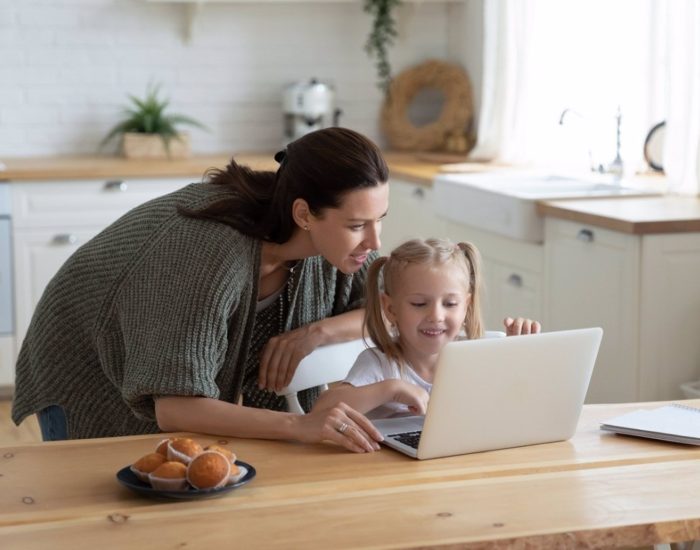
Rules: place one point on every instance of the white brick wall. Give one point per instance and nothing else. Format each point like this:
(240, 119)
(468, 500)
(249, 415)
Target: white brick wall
(67, 65)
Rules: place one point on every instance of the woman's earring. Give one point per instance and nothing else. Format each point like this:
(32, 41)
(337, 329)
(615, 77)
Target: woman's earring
(306, 228)
(393, 331)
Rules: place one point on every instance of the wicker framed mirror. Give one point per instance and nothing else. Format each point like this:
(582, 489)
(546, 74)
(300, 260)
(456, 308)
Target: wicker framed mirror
(404, 130)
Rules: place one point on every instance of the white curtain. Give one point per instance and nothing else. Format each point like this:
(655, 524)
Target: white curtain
(544, 56)
(504, 81)
(682, 75)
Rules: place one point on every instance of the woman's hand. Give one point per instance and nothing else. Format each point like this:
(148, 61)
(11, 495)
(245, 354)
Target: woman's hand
(282, 355)
(415, 397)
(341, 424)
(515, 327)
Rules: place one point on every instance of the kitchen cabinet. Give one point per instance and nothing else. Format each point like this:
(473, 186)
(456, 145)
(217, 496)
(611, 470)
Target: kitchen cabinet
(38, 256)
(511, 274)
(592, 279)
(669, 335)
(410, 215)
(512, 270)
(7, 360)
(52, 219)
(642, 290)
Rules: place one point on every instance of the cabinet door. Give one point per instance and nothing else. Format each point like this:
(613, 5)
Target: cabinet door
(89, 203)
(511, 273)
(7, 360)
(670, 314)
(592, 279)
(38, 255)
(410, 215)
(514, 292)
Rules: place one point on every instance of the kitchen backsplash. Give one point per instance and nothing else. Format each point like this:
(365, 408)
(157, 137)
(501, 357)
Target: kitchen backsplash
(66, 66)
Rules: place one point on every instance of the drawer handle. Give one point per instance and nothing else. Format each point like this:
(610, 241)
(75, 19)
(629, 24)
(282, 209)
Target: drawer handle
(515, 280)
(64, 239)
(419, 193)
(585, 235)
(116, 185)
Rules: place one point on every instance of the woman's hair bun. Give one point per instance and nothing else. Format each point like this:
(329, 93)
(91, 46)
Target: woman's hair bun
(280, 156)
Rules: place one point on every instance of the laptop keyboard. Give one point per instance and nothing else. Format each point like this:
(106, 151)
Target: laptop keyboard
(408, 438)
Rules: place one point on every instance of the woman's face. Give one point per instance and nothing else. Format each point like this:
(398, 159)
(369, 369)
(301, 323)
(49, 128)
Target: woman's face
(345, 235)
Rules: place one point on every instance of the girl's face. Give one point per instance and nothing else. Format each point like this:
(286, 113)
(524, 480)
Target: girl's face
(428, 307)
(345, 235)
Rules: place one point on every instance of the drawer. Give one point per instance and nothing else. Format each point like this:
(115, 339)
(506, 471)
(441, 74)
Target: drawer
(84, 203)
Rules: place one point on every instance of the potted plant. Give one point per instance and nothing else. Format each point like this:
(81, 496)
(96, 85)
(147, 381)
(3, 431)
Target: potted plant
(381, 37)
(148, 132)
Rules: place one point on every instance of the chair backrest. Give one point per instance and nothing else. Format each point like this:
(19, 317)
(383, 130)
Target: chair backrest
(324, 365)
(328, 364)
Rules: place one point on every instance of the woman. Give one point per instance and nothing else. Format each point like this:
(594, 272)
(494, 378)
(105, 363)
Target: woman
(184, 313)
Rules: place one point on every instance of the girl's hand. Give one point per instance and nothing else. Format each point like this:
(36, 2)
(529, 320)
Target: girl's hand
(282, 355)
(415, 397)
(341, 424)
(515, 327)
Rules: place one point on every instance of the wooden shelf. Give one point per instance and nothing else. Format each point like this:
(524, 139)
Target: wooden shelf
(194, 7)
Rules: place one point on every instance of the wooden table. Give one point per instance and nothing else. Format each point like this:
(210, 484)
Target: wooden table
(595, 490)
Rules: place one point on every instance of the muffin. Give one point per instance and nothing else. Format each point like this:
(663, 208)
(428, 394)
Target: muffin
(224, 451)
(209, 470)
(146, 464)
(183, 449)
(162, 447)
(169, 476)
(237, 472)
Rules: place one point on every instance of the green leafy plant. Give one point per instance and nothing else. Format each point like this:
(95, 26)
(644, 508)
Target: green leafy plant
(381, 37)
(147, 116)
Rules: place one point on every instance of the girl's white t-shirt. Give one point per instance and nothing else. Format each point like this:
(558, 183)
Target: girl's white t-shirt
(372, 366)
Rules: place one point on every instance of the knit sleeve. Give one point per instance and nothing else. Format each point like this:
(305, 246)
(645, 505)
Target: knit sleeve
(174, 312)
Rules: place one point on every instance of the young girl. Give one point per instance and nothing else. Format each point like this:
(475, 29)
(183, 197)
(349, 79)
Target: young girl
(430, 297)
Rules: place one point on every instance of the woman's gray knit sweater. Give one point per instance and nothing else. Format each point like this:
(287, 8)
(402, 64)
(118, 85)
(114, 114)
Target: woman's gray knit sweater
(156, 304)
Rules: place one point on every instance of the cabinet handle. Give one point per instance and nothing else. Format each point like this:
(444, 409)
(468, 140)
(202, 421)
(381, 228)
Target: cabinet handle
(64, 238)
(419, 193)
(515, 280)
(585, 235)
(116, 185)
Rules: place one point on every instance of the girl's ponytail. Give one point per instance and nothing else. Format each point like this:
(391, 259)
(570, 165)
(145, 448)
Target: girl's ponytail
(374, 321)
(473, 324)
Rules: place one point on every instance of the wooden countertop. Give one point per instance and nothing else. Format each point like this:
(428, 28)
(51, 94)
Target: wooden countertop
(404, 165)
(635, 215)
(597, 489)
(95, 167)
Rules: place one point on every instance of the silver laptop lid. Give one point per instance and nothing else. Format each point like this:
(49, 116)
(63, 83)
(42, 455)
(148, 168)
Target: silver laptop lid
(496, 393)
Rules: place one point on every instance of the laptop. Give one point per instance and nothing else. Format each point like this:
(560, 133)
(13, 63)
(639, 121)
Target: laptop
(495, 393)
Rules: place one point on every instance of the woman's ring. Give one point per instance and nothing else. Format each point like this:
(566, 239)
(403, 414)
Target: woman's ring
(341, 429)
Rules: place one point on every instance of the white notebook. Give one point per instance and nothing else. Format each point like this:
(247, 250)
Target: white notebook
(677, 423)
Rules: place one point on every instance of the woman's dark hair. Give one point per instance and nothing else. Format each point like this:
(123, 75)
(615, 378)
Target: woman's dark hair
(320, 167)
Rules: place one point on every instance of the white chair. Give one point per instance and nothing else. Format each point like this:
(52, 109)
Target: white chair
(328, 364)
(324, 365)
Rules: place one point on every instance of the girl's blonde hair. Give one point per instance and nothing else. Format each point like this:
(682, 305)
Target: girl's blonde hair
(384, 276)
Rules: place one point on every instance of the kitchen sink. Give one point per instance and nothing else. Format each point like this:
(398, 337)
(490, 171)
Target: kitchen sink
(504, 202)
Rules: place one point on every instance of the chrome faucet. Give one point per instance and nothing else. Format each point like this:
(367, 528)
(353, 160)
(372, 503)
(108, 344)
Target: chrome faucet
(616, 167)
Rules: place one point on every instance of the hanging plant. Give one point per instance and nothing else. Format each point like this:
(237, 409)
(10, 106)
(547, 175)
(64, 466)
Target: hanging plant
(381, 37)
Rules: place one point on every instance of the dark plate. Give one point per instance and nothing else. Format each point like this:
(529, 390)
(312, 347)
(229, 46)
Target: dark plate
(127, 478)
